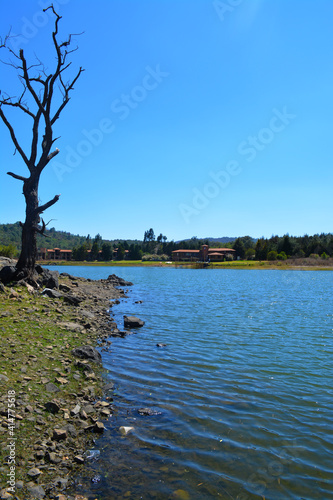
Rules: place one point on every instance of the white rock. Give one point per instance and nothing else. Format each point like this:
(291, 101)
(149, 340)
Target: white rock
(125, 430)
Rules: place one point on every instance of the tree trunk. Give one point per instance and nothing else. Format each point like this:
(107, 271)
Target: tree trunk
(25, 266)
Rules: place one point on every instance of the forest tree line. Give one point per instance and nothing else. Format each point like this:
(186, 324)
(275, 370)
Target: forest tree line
(153, 247)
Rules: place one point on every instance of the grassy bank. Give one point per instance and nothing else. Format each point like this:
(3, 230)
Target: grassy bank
(44, 388)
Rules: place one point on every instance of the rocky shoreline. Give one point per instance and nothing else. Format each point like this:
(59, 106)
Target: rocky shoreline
(52, 372)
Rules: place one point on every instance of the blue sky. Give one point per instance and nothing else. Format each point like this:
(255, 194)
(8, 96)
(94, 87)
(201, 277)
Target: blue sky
(194, 117)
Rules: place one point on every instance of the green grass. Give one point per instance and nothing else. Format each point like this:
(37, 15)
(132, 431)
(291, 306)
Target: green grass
(29, 327)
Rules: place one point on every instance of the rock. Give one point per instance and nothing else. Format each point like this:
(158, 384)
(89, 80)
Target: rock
(148, 411)
(132, 322)
(61, 482)
(30, 288)
(34, 473)
(71, 326)
(2, 288)
(52, 406)
(54, 294)
(60, 497)
(108, 387)
(83, 365)
(6, 261)
(3, 378)
(87, 314)
(37, 492)
(76, 410)
(139, 302)
(59, 434)
(96, 478)
(52, 457)
(125, 430)
(7, 274)
(99, 427)
(70, 430)
(87, 352)
(72, 300)
(79, 459)
(61, 380)
(92, 454)
(4, 495)
(160, 345)
(13, 294)
(64, 288)
(66, 275)
(116, 281)
(181, 495)
(48, 279)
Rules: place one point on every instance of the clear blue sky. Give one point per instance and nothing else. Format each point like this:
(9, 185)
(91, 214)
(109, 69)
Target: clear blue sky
(213, 119)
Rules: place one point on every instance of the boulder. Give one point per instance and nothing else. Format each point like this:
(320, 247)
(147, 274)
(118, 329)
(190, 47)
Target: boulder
(132, 322)
(47, 278)
(116, 281)
(6, 261)
(7, 274)
(72, 300)
(66, 275)
(87, 352)
(54, 294)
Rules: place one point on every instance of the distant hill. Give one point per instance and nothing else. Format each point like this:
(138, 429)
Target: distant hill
(222, 239)
(10, 234)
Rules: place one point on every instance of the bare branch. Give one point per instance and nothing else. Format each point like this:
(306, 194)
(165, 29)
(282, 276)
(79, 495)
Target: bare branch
(42, 229)
(13, 136)
(66, 98)
(19, 177)
(47, 205)
(4, 42)
(17, 104)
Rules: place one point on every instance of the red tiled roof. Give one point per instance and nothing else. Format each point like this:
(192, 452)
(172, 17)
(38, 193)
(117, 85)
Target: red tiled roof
(221, 250)
(186, 251)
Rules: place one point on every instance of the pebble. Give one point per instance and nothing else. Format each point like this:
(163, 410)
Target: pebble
(125, 430)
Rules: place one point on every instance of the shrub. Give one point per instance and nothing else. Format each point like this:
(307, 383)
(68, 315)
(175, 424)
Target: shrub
(272, 255)
(281, 256)
(314, 256)
(154, 257)
(324, 255)
(8, 251)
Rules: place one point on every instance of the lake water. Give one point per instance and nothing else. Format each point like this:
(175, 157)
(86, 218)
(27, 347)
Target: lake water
(244, 387)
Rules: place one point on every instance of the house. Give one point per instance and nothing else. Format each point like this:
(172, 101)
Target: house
(54, 254)
(205, 254)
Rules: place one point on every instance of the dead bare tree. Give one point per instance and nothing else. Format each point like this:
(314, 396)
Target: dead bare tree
(42, 90)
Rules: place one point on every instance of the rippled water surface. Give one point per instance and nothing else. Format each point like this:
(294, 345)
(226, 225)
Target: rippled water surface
(244, 386)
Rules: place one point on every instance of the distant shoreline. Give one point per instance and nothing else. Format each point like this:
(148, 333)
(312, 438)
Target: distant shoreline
(255, 265)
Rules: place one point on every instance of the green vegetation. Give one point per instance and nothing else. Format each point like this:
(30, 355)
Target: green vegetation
(36, 347)
(151, 247)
